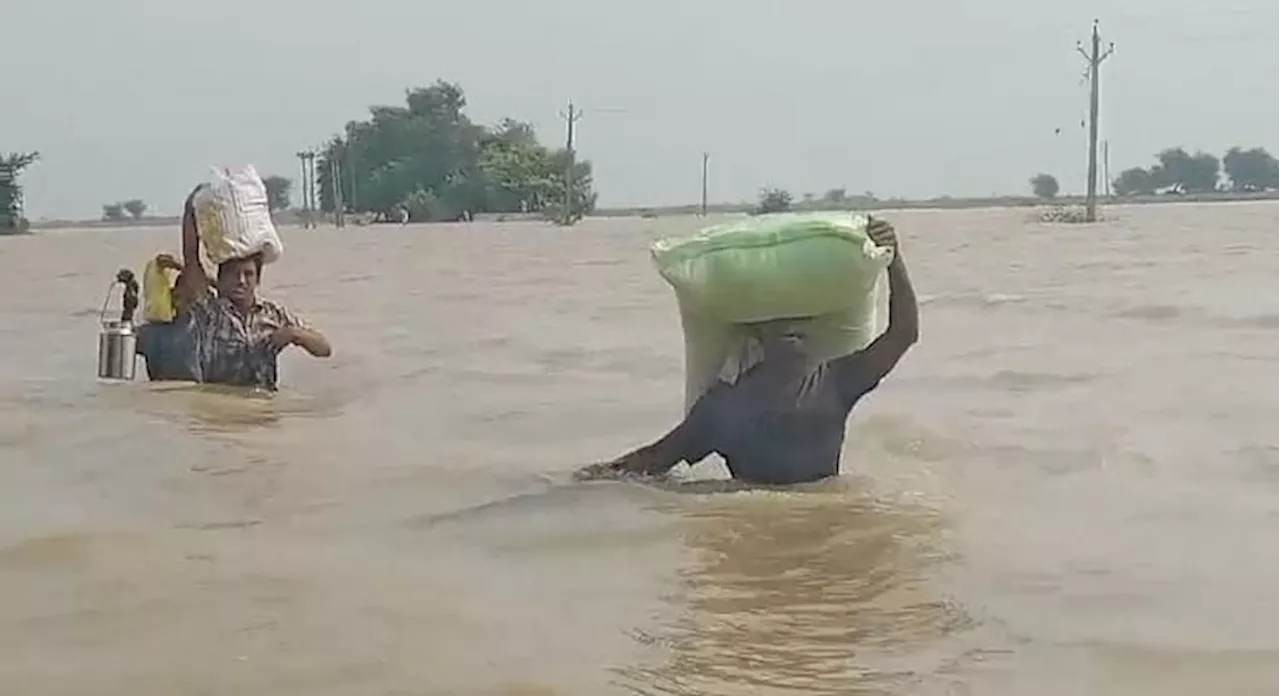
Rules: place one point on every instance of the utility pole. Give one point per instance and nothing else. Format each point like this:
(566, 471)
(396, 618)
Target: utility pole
(1094, 57)
(313, 204)
(705, 157)
(570, 117)
(335, 179)
(1106, 168)
(351, 170)
(305, 190)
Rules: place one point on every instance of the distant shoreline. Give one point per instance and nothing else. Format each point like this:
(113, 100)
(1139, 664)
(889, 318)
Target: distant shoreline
(942, 203)
(854, 203)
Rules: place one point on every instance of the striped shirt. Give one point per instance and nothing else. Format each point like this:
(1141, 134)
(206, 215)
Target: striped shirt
(234, 348)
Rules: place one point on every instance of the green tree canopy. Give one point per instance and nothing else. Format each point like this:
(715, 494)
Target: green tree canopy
(11, 168)
(1044, 186)
(835, 196)
(278, 190)
(431, 159)
(1254, 169)
(1186, 173)
(1135, 181)
(113, 212)
(1179, 171)
(773, 200)
(135, 207)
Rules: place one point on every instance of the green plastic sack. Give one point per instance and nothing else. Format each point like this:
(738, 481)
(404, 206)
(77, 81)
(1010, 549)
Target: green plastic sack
(820, 268)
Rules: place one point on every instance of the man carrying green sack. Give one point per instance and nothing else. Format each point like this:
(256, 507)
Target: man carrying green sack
(782, 421)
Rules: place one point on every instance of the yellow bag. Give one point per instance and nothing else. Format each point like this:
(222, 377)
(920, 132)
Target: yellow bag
(157, 293)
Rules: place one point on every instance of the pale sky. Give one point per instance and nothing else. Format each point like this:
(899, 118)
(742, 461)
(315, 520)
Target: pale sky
(136, 98)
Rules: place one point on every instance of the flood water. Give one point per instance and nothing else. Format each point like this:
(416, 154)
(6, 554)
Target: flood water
(1068, 487)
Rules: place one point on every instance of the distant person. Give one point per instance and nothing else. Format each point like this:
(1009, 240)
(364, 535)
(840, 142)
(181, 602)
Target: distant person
(168, 347)
(404, 215)
(783, 421)
(238, 336)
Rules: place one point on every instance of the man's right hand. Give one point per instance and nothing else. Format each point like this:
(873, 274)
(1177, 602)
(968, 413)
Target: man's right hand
(633, 465)
(603, 470)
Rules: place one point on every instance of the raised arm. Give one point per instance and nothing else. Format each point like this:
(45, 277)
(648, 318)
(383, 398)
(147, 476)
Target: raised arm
(194, 280)
(860, 372)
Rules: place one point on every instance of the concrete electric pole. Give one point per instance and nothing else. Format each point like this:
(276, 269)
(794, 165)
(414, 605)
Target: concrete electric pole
(1094, 57)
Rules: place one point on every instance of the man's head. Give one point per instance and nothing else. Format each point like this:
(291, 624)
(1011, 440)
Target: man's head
(238, 280)
(782, 341)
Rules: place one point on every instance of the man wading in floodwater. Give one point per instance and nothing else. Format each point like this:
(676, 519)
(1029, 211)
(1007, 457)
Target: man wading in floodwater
(237, 335)
(783, 420)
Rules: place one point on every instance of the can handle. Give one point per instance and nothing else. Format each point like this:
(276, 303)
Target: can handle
(102, 316)
(129, 302)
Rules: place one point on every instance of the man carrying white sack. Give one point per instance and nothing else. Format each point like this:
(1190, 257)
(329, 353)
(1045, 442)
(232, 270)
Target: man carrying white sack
(783, 421)
(238, 336)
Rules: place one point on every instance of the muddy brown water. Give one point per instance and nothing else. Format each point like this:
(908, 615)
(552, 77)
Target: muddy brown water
(1068, 487)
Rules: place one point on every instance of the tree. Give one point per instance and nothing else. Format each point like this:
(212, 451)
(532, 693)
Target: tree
(11, 168)
(773, 200)
(278, 190)
(423, 206)
(1254, 169)
(1044, 186)
(1186, 173)
(583, 199)
(113, 212)
(135, 207)
(430, 158)
(1136, 181)
(835, 196)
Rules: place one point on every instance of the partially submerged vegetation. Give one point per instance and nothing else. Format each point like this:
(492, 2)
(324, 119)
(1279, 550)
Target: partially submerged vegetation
(12, 166)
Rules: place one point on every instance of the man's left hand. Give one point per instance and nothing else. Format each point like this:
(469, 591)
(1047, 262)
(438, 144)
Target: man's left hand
(882, 233)
(284, 337)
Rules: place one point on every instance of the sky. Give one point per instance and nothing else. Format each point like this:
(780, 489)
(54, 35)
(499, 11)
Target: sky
(138, 98)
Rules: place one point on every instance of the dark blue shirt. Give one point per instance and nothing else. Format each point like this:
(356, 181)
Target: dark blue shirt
(770, 437)
(169, 349)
